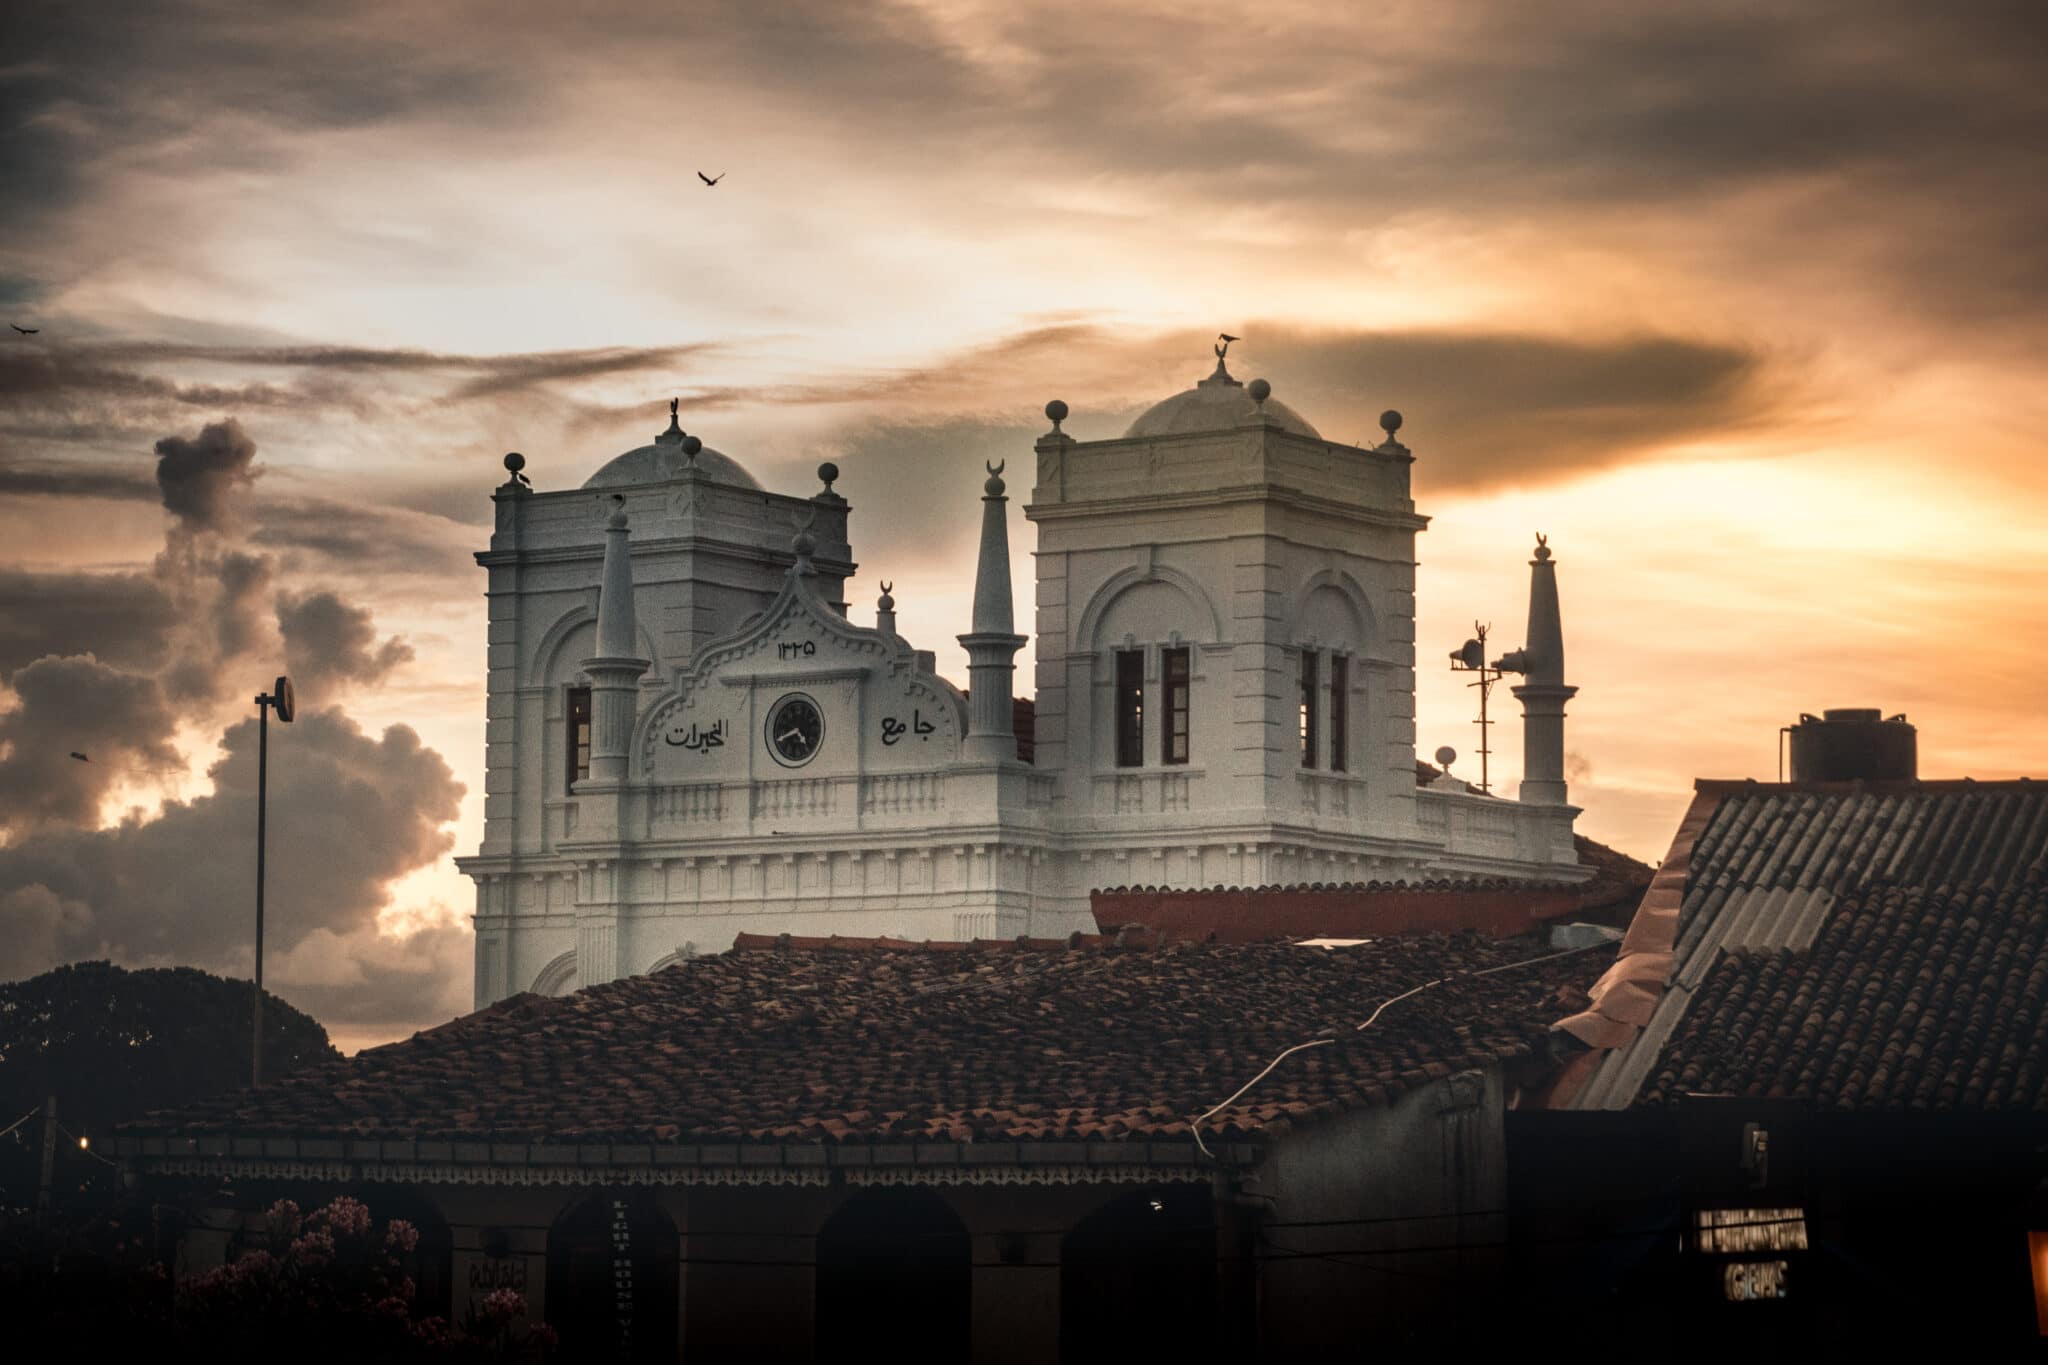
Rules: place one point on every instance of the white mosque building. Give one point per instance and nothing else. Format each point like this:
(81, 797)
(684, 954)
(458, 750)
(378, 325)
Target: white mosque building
(689, 737)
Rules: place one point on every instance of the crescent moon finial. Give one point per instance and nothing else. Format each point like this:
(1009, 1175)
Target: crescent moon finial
(995, 468)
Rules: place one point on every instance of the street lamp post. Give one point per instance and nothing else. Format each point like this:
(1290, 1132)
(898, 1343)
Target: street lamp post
(280, 698)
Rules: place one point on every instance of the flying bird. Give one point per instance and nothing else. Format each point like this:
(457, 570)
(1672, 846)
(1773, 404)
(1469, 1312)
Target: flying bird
(80, 757)
(25, 331)
(711, 179)
(1226, 336)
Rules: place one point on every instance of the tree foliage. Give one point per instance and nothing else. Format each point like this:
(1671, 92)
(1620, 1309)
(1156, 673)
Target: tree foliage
(112, 1044)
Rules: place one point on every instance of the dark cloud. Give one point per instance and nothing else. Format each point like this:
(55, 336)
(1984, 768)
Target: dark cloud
(324, 535)
(59, 481)
(124, 619)
(121, 721)
(328, 642)
(348, 814)
(200, 476)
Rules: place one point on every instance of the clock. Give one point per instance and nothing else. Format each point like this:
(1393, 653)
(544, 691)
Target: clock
(795, 730)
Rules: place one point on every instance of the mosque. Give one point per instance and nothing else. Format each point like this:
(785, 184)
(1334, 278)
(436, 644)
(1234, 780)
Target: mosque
(690, 737)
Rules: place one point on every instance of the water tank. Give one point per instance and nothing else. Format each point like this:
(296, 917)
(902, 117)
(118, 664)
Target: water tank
(1854, 743)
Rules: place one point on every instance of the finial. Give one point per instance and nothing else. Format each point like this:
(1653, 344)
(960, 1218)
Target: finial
(828, 473)
(887, 603)
(1223, 340)
(617, 520)
(514, 463)
(691, 445)
(1390, 422)
(675, 425)
(1260, 391)
(1542, 547)
(1057, 411)
(994, 487)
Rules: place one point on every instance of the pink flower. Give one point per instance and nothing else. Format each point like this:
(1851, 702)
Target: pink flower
(504, 1304)
(401, 1235)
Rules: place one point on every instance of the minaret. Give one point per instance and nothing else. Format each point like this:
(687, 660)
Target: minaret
(1543, 692)
(615, 669)
(993, 644)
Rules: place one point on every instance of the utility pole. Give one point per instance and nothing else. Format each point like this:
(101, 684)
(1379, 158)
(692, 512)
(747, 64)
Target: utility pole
(47, 1179)
(1471, 658)
(280, 696)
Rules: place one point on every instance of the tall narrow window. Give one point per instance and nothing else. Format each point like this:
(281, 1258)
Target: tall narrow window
(1130, 708)
(1308, 708)
(1173, 707)
(577, 766)
(1340, 711)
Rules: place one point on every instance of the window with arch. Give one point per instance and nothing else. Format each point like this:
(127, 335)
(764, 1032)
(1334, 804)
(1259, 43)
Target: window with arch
(1176, 684)
(576, 734)
(1308, 708)
(1130, 708)
(1340, 711)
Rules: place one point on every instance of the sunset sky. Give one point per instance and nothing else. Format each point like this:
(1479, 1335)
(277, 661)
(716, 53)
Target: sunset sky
(1741, 304)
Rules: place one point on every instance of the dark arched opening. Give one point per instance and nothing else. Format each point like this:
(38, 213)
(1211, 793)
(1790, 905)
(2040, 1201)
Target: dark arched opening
(895, 1272)
(1138, 1278)
(431, 1261)
(612, 1276)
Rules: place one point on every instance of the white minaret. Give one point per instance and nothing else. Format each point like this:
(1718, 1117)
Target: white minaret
(615, 669)
(1543, 692)
(993, 643)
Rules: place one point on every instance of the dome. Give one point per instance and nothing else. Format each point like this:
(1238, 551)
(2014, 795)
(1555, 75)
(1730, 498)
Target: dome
(661, 462)
(1218, 403)
(667, 458)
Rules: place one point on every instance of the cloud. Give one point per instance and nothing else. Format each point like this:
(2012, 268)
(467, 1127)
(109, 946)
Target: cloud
(121, 618)
(328, 642)
(199, 476)
(121, 721)
(348, 815)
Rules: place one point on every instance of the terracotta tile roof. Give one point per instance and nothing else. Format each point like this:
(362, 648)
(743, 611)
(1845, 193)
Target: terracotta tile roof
(1862, 946)
(858, 1040)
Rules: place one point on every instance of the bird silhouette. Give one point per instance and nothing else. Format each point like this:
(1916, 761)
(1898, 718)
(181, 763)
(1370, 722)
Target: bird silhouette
(25, 331)
(1226, 336)
(711, 179)
(80, 757)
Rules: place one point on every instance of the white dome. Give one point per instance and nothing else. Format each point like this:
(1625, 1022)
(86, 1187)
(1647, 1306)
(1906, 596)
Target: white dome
(667, 458)
(662, 461)
(1218, 403)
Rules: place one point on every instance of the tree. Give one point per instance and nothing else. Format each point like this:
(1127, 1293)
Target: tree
(112, 1044)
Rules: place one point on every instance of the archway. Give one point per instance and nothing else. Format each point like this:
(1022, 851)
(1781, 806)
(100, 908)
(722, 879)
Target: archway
(1138, 1278)
(895, 1270)
(612, 1274)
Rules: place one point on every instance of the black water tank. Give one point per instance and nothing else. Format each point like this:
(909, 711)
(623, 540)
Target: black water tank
(1853, 743)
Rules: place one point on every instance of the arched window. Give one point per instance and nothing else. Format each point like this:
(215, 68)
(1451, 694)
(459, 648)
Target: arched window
(894, 1268)
(1138, 1278)
(612, 1276)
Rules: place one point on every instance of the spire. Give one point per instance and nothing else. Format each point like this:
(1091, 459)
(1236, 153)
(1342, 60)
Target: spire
(615, 669)
(1544, 691)
(993, 613)
(993, 643)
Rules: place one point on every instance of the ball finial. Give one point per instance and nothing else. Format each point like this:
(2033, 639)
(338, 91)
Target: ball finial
(1390, 422)
(515, 462)
(994, 487)
(691, 445)
(1260, 391)
(828, 474)
(1057, 411)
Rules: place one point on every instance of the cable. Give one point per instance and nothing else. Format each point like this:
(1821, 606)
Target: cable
(23, 1119)
(1195, 1126)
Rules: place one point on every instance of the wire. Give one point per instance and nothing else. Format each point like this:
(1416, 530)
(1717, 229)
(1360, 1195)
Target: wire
(84, 1147)
(23, 1119)
(1195, 1126)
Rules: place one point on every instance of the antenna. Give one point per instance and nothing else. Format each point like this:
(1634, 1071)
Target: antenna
(1470, 657)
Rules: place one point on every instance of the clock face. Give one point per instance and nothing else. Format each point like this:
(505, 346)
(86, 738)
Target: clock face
(795, 730)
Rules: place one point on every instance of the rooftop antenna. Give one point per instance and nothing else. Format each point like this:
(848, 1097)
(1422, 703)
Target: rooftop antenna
(1470, 657)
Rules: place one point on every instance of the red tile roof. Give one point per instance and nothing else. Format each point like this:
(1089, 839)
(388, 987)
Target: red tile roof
(856, 1040)
(1857, 945)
